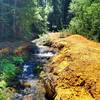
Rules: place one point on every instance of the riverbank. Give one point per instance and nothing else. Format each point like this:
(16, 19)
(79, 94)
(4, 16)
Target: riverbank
(73, 74)
(58, 67)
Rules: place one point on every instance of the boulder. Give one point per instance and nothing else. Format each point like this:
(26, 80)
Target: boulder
(33, 90)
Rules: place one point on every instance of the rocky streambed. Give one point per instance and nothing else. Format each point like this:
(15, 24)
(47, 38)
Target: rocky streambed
(69, 66)
(30, 86)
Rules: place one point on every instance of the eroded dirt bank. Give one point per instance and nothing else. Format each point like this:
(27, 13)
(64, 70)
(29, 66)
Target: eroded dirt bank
(74, 73)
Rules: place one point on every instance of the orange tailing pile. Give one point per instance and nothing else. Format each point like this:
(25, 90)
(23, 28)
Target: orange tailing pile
(76, 68)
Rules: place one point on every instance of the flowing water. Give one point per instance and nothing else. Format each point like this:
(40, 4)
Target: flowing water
(32, 88)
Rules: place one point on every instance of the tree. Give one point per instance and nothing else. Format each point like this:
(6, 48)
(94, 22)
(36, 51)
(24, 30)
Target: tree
(59, 17)
(8, 20)
(55, 20)
(87, 18)
(33, 17)
(23, 19)
(66, 16)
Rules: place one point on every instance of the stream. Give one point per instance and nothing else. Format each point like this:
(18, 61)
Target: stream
(31, 88)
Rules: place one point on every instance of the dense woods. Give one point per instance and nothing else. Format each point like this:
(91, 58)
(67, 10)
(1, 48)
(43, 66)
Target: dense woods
(19, 19)
(23, 19)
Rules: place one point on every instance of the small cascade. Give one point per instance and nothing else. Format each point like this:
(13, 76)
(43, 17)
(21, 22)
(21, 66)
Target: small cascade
(27, 73)
(32, 87)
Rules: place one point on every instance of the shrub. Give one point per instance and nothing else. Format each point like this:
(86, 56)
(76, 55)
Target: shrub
(87, 18)
(8, 69)
(17, 59)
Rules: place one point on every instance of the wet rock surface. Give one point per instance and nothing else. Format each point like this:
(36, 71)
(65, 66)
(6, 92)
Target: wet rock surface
(31, 87)
(34, 90)
(73, 74)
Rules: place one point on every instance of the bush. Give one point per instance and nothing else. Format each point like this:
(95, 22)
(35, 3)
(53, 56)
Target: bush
(8, 69)
(87, 18)
(17, 60)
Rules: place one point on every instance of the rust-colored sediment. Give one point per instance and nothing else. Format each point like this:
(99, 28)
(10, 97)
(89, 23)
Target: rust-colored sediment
(76, 68)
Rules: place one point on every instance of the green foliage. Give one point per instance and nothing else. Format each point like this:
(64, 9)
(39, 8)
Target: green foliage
(7, 72)
(17, 59)
(23, 19)
(8, 69)
(55, 19)
(33, 17)
(58, 18)
(87, 18)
